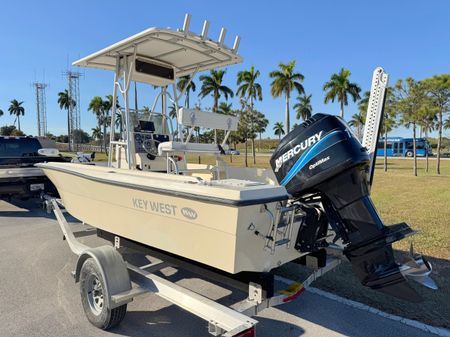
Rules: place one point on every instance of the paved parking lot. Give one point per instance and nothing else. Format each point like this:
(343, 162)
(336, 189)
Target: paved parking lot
(38, 296)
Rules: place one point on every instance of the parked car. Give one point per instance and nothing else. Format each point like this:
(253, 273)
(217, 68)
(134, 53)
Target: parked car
(18, 175)
(233, 152)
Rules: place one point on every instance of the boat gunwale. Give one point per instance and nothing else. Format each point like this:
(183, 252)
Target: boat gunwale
(208, 199)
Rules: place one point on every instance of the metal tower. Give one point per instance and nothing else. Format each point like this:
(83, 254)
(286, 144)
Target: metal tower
(41, 108)
(74, 106)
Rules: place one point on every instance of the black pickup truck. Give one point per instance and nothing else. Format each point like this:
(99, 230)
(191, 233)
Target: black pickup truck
(18, 176)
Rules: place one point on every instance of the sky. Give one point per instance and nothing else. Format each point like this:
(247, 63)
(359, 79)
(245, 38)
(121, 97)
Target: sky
(40, 40)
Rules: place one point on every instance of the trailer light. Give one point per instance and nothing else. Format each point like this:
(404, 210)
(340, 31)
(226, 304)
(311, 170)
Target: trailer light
(292, 292)
(247, 333)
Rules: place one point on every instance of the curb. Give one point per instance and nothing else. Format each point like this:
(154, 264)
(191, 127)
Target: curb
(412, 323)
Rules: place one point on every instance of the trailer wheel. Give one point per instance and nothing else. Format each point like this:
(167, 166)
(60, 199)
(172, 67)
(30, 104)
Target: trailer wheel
(409, 154)
(95, 298)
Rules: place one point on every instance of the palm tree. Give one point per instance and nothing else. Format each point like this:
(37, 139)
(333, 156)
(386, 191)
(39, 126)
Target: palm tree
(389, 123)
(303, 107)
(427, 124)
(65, 102)
(363, 105)
(438, 88)
(409, 102)
(106, 120)
(97, 106)
(250, 90)
(119, 122)
(248, 87)
(339, 87)
(212, 84)
(172, 112)
(16, 109)
(285, 80)
(446, 124)
(145, 110)
(278, 129)
(224, 108)
(181, 84)
(261, 124)
(96, 133)
(357, 122)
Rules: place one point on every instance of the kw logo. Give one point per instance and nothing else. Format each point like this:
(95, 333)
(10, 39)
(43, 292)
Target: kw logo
(189, 213)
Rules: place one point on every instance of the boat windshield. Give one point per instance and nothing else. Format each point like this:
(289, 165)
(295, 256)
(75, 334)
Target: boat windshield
(156, 118)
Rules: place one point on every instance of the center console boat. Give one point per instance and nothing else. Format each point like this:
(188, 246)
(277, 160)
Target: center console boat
(231, 219)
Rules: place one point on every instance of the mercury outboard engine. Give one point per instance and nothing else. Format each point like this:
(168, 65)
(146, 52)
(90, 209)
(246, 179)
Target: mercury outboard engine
(325, 169)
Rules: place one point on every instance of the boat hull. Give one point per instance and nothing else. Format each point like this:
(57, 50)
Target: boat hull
(205, 230)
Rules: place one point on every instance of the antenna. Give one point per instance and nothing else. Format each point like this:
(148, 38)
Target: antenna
(73, 90)
(41, 108)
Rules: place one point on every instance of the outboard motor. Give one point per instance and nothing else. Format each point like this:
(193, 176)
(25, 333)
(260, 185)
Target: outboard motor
(325, 169)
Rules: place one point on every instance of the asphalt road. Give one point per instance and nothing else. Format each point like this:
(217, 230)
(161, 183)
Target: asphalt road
(38, 296)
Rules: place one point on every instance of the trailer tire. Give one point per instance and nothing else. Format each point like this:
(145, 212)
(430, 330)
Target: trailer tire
(95, 298)
(409, 154)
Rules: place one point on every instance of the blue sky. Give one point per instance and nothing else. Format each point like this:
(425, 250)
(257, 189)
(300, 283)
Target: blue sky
(407, 38)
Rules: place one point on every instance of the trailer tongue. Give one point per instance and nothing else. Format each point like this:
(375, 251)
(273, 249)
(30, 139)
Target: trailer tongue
(326, 169)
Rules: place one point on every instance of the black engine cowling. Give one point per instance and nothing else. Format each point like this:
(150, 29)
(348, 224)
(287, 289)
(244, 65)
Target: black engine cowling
(322, 157)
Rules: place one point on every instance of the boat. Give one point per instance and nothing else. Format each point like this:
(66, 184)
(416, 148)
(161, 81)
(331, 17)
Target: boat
(231, 219)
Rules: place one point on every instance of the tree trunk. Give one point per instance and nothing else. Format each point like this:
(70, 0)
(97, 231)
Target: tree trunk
(287, 119)
(253, 150)
(259, 144)
(68, 130)
(216, 103)
(135, 98)
(385, 152)
(414, 150)
(438, 161)
(253, 131)
(342, 110)
(246, 152)
(426, 149)
(18, 121)
(104, 135)
(198, 141)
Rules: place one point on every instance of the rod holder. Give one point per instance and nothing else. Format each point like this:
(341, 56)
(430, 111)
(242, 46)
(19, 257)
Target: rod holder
(205, 29)
(223, 32)
(236, 43)
(186, 23)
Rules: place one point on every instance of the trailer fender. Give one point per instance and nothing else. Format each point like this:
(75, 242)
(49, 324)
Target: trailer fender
(113, 269)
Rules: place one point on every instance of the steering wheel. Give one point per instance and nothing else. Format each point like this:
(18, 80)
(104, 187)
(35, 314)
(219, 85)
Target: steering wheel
(151, 147)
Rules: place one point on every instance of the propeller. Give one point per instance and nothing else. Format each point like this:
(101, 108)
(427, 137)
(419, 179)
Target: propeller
(418, 269)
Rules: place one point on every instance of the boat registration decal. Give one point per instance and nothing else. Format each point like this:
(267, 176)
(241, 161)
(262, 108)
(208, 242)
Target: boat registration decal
(155, 207)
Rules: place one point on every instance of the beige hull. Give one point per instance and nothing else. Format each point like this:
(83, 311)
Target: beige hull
(208, 224)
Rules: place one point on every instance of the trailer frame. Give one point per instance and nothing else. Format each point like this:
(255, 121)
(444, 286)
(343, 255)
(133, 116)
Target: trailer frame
(125, 281)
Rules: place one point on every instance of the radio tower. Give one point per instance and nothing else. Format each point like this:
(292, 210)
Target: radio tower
(74, 106)
(41, 108)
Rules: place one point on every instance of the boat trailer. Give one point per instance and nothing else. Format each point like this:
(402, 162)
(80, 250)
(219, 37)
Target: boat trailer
(107, 280)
